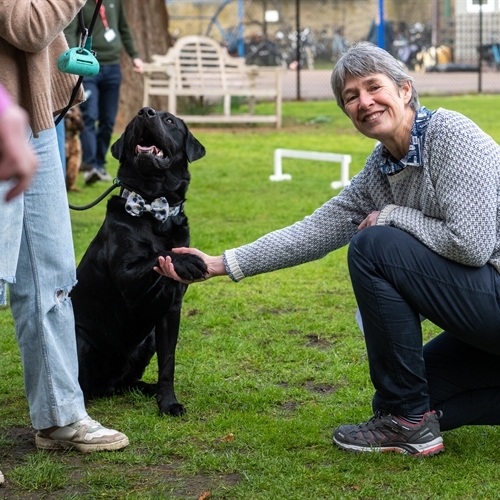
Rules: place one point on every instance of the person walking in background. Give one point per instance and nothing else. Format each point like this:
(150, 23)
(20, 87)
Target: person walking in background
(339, 43)
(373, 34)
(422, 220)
(37, 257)
(111, 33)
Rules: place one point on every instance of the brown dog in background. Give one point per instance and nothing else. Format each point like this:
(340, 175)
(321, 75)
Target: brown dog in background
(73, 122)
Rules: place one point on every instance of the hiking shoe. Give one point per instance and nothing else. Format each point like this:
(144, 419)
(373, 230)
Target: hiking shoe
(386, 432)
(85, 435)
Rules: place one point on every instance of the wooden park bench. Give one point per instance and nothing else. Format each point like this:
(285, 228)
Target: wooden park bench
(197, 66)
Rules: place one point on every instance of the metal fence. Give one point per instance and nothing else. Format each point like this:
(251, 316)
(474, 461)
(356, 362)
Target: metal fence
(449, 46)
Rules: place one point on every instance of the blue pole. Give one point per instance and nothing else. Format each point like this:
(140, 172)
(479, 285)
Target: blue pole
(381, 34)
(241, 42)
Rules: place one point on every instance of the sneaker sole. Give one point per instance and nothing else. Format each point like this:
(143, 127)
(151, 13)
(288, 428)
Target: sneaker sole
(105, 178)
(43, 443)
(417, 450)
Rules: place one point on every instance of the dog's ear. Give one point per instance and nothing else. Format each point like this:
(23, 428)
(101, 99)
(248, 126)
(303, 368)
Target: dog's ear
(117, 148)
(194, 149)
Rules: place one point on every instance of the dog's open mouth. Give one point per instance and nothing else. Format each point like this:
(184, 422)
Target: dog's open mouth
(147, 144)
(152, 150)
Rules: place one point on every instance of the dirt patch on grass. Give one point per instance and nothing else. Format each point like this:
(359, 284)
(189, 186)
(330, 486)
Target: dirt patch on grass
(24, 443)
(318, 342)
(169, 478)
(289, 406)
(320, 388)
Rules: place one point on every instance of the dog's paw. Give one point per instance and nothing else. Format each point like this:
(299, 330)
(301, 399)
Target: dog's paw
(175, 410)
(189, 267)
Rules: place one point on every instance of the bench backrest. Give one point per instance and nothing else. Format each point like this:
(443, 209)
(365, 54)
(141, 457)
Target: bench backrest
(202, 64)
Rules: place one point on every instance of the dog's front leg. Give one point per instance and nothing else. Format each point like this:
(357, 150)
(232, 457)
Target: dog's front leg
(167, 331)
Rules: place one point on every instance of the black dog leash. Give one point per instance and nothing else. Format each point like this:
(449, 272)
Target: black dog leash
(116, 184)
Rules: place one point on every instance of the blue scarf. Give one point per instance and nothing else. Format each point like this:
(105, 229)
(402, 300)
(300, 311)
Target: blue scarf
(389, 165)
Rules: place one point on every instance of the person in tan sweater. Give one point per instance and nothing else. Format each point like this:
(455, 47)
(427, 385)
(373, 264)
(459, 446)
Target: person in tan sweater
(36, 248)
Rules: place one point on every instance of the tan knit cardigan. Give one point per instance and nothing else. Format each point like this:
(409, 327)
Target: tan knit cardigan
(31, 40)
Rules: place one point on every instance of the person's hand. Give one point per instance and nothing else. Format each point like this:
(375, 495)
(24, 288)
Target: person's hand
(215, 265)
(371, 220)
(138, 65)
(18, 161)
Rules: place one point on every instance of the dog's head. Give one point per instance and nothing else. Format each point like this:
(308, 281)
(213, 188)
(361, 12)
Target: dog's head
(154, 142)
(73, 120)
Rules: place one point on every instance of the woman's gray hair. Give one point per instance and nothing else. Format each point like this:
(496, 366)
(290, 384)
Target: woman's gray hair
(362, 59)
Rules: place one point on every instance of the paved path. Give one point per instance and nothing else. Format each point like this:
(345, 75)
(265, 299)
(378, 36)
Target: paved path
(315, 84)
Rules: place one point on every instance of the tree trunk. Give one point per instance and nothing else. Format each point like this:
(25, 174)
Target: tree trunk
(148, 21)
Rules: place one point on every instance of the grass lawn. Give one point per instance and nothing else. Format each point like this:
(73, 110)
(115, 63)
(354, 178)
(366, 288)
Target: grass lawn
(266, 368)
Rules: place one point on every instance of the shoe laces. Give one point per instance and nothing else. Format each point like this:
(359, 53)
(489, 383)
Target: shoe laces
(89, 422)
(375, 421)
(372, 423)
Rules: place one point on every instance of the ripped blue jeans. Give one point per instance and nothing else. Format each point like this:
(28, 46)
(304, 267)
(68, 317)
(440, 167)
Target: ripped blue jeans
(37, 260)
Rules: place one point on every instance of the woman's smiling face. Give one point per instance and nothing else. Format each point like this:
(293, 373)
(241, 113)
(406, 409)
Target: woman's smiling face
(377, 107)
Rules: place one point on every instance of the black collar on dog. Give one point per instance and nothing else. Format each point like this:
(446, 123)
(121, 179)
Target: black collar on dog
(130, 188)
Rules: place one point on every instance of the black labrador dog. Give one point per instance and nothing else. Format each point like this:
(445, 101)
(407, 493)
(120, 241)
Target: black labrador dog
(125, 311)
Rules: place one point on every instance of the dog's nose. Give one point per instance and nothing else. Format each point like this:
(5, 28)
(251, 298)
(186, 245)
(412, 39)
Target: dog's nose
(147, 113)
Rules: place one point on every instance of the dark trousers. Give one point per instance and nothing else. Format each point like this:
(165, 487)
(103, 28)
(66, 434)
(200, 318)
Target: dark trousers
(99, 113)
(395, 279)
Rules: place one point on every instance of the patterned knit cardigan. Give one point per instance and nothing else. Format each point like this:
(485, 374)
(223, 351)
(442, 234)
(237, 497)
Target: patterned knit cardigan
(451, 204)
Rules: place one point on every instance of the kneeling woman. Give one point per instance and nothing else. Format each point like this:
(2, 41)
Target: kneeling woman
(428, 245)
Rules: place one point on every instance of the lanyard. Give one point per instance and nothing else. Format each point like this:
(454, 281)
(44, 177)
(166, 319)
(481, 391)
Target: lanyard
(102, 13)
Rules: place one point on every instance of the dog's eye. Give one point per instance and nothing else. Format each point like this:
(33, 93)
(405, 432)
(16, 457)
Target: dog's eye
(169, 120)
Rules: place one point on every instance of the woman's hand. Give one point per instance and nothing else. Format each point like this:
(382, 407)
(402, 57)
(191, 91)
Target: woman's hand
(215, 265)
(371, 220)
(18, 161)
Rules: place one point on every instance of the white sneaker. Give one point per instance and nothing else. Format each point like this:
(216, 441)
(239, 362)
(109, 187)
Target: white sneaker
(103, 175)
(85, 435)
(96, 174)
(91, 176)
